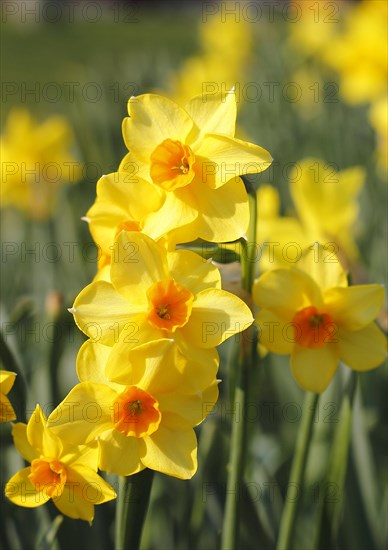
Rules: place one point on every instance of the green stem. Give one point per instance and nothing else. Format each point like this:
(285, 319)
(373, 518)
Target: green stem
(297, 469)
(230, 530)
(132, 504)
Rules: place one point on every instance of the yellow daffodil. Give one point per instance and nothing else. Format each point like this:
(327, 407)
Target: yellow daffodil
(359, 53)
(121, 203)
(327, 211)
(143, 414)
(61, 472)
(312, 24)
(7, 380)
(193, 158)
(219, 65)
(154, 294)
(310, 313)
(326, 202)
(35, 162)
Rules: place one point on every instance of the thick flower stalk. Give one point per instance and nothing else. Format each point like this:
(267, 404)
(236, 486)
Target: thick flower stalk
(144, 414)
(155, 295)
(7, 380)
(193, 158)
(35, 161)
(58, 471)
(310, 313)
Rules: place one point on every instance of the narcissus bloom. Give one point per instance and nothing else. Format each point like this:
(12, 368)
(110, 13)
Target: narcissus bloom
(59, 471)
(122, 203)
(154, 294)
(35, 161)
(326, 202)
(359, 53)
(7, 380)
(310, 313)
(192, 156)
(143, 414)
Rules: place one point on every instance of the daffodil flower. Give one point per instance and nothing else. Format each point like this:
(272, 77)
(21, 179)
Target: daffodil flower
(326, 203)
(59, 471)
(7, 380)
(192, 156)
(310, 313)
(35, 161)
(121, 204)
(154, 294)
(143, 416)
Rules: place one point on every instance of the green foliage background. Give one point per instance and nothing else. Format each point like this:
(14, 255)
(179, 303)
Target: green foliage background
(129, 58)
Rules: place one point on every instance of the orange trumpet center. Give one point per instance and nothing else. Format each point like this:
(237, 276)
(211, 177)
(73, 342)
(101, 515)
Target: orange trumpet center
(172, 165)
(48, 475)
(136, 413)
(312, 328)
(169, 305)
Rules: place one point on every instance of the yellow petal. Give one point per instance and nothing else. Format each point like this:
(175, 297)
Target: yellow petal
(153, 119)
(314, 368)
(192, 271)
(175, 213)
(7, 412)
(172, 449)
(285, 291)
(190, 408)
(223, 212)
(120, 198)
(354, 307)
(101, 312)
(19, 434)
(216, 315)
(89, 484)
(72, 503)
(214, 113)
(22, 492)
(119, 454)
(84, 413)
(322, 265)
(80, 455)
(91, 360)
(363, 349)
(227, 157)
(42, 438)
(140, 263)
(275, 334)
(7, 379)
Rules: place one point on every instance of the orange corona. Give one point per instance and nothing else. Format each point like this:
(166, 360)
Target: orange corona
(172, 165)
(312, 328)
(136, 413)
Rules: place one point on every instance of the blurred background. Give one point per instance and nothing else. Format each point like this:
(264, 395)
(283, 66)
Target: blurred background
(310, 81)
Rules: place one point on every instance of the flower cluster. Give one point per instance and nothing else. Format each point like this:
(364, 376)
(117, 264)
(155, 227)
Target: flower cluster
(155, 312)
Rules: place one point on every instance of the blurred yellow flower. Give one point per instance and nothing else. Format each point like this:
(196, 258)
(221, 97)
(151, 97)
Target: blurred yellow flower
(58, 471)
(220, 65)
(35, 162)
(359, 52)
(311, 24)
(309, 312)
(146, 412)
(7, 380)
(327, 211)
(193, 158)
(154, 295)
